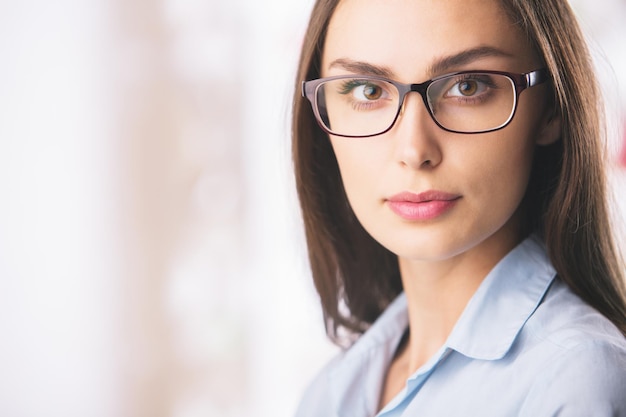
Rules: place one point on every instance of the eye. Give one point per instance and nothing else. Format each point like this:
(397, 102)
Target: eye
(364, 90)
(369, 91)
(468, 88)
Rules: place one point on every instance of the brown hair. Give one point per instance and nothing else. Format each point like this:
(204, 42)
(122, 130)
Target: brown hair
(566, 203)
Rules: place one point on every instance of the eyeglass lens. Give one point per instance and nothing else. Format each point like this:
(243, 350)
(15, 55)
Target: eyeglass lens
(468, 103)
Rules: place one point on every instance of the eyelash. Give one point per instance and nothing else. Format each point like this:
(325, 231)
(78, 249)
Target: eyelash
(349, 86)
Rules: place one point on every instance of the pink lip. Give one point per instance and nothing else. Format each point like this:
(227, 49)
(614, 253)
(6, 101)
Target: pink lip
(423, 206)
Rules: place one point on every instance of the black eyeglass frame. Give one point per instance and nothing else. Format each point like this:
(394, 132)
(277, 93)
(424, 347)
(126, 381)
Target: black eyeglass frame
(520, 82)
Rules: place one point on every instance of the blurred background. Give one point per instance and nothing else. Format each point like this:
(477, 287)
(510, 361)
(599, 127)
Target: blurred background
(152, 262)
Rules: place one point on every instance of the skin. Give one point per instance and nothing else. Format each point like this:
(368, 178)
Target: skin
(442, 260)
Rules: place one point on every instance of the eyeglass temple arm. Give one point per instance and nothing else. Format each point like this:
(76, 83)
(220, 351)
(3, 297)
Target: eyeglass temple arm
(536, 77)
(307, 89)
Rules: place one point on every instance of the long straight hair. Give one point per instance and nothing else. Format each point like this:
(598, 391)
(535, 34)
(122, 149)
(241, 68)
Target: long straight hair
(565, 203)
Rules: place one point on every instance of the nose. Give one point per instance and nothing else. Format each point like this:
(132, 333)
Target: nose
(416, 136)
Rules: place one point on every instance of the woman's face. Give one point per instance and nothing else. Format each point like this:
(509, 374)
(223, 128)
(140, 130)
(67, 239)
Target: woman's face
(424, 193)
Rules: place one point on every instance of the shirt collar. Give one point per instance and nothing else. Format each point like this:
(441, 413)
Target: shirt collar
(505, 300)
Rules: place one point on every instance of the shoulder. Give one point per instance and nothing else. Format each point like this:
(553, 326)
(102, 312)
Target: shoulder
(584, 372)
(586, 379)
(566, 321)
(316, 400)
(349, 383)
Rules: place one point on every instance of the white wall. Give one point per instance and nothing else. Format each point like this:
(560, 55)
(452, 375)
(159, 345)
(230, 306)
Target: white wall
(57, 213)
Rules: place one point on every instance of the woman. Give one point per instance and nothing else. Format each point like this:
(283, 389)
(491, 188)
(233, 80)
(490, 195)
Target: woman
(449, 169)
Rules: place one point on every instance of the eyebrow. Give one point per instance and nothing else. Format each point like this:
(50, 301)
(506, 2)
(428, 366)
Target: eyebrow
(449, 63)
(438, 67)
(360, 67)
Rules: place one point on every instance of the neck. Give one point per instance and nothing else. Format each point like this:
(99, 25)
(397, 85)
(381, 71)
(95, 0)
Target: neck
(438, 291)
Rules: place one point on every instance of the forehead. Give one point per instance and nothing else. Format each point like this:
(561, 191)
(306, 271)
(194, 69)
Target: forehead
(408, 36)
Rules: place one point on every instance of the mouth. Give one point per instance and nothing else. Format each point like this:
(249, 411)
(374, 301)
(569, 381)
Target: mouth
(423, 206)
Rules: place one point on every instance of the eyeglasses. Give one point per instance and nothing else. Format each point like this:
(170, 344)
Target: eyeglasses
(462, 102)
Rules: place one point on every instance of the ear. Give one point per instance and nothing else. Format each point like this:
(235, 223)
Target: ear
(550, 131)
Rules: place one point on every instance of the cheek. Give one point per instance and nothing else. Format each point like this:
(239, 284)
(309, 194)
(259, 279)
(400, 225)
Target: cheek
(359, 164)
(500, 171)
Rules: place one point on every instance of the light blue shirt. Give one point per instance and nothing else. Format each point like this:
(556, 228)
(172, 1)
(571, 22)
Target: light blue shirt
(524, 346)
